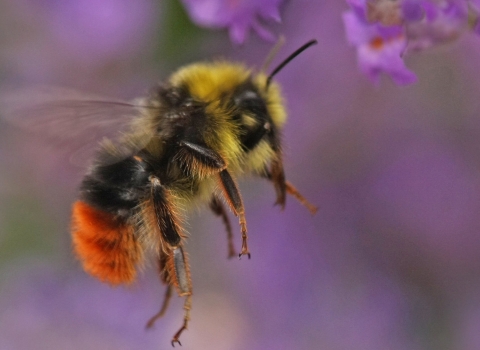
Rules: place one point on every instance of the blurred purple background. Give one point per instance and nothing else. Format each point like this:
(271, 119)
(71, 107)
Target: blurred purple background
(390, 261)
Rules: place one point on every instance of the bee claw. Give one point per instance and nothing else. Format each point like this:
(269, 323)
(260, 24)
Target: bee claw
(176, 337)
(244, 252)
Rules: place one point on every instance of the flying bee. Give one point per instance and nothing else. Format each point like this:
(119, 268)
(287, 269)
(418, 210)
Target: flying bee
(186, 143)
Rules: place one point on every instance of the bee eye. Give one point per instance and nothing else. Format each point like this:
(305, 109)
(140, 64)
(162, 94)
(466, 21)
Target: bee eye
(250, 95)
(246, 97)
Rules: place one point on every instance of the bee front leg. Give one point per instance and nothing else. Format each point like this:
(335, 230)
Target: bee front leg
(282, 187)
(201, 161)
(218, 208)
(291, 190)
(234, 199)
(277, 175)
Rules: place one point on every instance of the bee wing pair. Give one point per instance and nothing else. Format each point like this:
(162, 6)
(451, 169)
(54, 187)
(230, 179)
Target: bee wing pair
(74, 122)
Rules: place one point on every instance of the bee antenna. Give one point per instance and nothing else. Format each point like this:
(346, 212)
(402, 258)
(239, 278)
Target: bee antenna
(289, 58)
(273, 52)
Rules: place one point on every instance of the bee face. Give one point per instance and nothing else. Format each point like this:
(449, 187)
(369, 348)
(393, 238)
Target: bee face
(230, 109)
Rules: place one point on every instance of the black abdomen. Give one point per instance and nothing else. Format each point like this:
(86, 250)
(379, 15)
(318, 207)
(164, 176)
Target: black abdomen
(116, 188)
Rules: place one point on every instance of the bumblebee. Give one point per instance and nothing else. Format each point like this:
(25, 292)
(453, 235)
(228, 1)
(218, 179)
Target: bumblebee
(184, 144)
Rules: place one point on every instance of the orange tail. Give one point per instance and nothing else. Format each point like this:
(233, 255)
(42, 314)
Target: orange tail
(106, 246)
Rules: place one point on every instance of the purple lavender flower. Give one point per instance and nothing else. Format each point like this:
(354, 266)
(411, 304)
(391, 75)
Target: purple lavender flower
(379, 47)
(237, 15)
(385, 30)
(386, 12)
(429, 23)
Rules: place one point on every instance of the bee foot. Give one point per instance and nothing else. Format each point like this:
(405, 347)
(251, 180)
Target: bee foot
(176, 337)
(244, 252)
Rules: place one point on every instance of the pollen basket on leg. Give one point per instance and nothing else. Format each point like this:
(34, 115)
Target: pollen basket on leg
(106, 246)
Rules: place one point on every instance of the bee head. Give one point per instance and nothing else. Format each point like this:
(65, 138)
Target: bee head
(236, 103)
(230, 109)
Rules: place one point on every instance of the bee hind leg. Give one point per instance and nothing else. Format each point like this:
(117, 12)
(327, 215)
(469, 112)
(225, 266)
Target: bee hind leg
(186, 306)
(165, 278)
(175, 273)
(173, 261)
(184, 286)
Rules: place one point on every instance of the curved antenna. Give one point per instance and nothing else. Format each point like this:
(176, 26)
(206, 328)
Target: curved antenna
(289, 58)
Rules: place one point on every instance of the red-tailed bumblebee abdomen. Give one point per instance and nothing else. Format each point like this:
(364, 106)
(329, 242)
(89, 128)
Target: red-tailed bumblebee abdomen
(105, 244)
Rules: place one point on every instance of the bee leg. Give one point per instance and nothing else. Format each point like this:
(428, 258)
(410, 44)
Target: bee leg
(234, 199)
(202, 160)
(199, 160)
(177, 272)
(163, 309)
(282, 187)
(182, 273)
(164, 276)
(184, 286)
(291, 190)
(186, 306)
(166, 219)
(218, 208)
(277, 176)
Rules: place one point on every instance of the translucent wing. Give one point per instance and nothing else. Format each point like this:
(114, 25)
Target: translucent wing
(76, 122)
